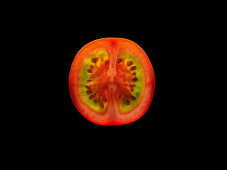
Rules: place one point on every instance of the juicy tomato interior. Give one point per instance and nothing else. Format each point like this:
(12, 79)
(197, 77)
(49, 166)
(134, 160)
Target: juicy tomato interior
(111, 81)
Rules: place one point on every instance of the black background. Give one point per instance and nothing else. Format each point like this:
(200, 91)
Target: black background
(175, 45)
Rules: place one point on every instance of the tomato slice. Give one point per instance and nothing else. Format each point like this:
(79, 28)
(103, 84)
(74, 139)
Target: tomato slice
(111, 81)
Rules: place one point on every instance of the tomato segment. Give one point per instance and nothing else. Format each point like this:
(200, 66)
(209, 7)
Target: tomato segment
(93, 80)
(111, 81)
(130, 81)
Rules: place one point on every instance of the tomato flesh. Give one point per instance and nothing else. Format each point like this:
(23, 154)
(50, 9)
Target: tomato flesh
(111, 81)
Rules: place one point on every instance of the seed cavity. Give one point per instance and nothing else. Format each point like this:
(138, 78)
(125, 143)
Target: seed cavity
(95, 90)
(128, 77)
(129, 63)
(133, 68)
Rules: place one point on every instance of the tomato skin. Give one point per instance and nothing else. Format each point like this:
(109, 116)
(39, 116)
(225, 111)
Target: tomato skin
(111, 45)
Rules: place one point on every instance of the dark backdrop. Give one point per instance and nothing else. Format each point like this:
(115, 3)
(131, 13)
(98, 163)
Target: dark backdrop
(174, 44)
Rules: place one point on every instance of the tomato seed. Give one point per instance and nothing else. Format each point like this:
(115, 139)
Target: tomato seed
(127, 102)
(133, 68)
(119, 60)
(134, 73)
(91, 97)
(129, 63)
(104, 99)
(135, 79)
(101, 105)
(91, 66)
(88, 91)
(88, 87)
(107, 62)
(94, 60)
(132, 97)
(89, 71)
(131, 85)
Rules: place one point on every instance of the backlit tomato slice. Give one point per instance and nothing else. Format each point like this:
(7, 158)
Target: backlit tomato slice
(111, 81)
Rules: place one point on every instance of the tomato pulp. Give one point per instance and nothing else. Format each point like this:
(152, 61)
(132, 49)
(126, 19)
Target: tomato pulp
(111, 81)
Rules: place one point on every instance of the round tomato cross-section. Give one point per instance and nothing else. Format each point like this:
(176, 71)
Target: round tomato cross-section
(111, 81)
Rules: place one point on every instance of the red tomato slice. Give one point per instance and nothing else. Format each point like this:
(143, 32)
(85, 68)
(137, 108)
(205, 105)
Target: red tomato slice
(111, 81)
